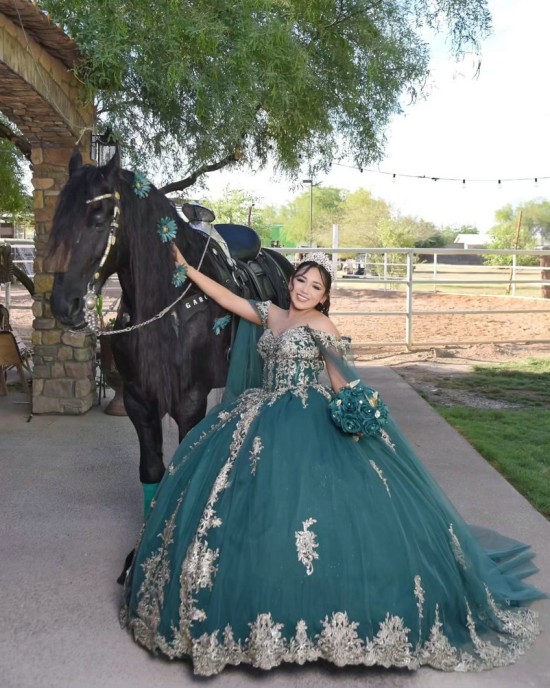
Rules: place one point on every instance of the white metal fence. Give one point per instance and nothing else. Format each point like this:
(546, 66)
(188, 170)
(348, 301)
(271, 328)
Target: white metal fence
(405, 274)
(402, 269)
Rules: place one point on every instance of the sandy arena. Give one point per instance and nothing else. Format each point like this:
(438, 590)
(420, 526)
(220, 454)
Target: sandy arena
(441, 334)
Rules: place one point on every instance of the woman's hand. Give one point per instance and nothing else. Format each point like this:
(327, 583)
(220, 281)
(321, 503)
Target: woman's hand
(178, 257)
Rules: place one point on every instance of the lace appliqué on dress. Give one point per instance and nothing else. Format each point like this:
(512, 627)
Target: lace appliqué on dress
(151, 593)
(380, 474)
(257, 447)
(458, 552)
(306, 544)
(340, 643)
(263, 309)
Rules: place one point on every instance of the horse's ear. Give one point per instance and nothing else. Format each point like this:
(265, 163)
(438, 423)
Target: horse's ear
(113, 166)
(75, 162)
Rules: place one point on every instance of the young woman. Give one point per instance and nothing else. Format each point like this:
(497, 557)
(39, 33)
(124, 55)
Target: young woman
(278, 535)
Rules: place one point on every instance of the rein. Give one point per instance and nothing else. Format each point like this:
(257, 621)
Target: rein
(90, 299)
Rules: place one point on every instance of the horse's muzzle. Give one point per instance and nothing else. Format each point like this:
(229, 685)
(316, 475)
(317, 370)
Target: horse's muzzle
(68, 309)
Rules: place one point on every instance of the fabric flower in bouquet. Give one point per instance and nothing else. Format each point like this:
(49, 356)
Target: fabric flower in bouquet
(358, 410)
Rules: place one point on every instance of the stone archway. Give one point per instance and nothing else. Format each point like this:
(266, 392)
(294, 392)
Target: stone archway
(41, 96)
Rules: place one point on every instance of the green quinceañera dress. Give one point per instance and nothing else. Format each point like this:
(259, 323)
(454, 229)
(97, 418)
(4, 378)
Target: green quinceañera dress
(276, 537)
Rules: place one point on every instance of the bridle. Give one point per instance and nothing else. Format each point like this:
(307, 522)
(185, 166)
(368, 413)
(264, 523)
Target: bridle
(91, 314)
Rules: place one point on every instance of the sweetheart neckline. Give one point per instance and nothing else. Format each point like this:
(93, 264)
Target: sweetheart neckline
(298, 327)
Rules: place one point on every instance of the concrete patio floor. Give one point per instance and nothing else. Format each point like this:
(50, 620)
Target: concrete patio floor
(71, 509)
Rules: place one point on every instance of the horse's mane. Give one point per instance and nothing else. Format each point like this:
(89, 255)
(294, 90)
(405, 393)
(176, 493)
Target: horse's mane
(158, 346)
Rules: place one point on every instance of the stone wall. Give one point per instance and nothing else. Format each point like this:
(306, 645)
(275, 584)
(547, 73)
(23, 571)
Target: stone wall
(63, 377)
(41, 96)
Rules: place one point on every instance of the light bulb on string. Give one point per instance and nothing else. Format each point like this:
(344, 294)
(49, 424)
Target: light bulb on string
(463, 184)
(393, 177)
(499, 184)
(536, 182)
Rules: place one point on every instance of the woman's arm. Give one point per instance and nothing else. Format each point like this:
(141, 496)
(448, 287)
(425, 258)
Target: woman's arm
(224, 297)
(324, 324)
(337, 380)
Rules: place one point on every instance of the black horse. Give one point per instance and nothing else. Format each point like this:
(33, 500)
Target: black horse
(170, 365)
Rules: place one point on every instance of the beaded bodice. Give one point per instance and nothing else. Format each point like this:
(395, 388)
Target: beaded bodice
(292, 358)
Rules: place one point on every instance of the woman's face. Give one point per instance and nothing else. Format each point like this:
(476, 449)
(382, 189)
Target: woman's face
(307, 289)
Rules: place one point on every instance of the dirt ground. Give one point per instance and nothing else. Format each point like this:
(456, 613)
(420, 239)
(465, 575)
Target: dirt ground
(435, 361)
(438, 351)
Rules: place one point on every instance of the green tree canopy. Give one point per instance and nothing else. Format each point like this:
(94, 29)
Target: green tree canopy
(235, 206)
(13, 196)
(240, 207)
(532, 219)
(296, 215)
(362, 219)
(203, 82)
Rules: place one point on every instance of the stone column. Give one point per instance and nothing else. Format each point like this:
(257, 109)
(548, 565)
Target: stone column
(63, 376)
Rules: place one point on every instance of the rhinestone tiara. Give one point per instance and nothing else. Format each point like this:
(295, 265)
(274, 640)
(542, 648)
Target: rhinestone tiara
(321, 259)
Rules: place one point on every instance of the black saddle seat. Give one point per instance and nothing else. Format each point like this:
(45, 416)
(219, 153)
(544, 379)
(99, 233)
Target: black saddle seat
(243, 242)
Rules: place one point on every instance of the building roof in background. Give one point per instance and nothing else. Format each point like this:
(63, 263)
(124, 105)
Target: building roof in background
(470, 239)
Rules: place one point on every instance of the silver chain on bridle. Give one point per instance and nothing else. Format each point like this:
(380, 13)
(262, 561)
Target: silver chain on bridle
(91, 314)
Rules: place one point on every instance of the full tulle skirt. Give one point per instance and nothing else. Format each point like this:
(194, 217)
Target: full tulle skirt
(274, 537)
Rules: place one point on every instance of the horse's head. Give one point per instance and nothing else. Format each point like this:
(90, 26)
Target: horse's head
(80, 234)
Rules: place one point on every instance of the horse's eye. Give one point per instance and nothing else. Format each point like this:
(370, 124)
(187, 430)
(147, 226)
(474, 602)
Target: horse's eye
(99, 217)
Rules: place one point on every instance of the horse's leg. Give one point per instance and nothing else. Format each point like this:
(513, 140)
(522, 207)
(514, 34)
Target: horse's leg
(146, 421)
(189, 413)
(145, 418)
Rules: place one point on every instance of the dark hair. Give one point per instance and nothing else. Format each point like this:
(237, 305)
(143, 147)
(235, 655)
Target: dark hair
(326, 278)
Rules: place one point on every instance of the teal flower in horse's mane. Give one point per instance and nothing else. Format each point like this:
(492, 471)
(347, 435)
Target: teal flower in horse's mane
(167, 229)
(179, 276)
(221, 323)
(141, 185)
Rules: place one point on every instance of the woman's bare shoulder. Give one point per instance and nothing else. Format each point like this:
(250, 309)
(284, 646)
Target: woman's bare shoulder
(323, 323)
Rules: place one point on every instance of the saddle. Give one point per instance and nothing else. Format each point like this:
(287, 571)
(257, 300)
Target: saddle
(239, 259)
(261, 275)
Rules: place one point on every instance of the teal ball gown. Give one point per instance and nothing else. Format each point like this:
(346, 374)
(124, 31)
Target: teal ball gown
(276, 537)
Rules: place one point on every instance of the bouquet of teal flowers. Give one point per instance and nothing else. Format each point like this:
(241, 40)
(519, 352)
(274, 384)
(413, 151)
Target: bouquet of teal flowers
(358, 410)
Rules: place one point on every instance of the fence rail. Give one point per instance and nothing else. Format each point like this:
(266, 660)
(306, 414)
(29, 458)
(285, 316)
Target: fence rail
(410, 280)
(414, 276)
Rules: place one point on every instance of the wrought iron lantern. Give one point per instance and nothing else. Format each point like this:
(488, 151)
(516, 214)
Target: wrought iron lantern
(104, 147)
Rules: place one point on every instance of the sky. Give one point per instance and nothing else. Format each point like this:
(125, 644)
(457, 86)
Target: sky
(495, 126)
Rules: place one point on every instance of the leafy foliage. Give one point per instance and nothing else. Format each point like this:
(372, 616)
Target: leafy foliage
(304, 81)
(363, 220)
(240, 207)
(534, 231)
(13, 195)
(234, 207)
(296, 215)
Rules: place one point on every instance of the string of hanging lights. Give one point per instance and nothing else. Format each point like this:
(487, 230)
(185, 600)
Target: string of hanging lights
(438, 178)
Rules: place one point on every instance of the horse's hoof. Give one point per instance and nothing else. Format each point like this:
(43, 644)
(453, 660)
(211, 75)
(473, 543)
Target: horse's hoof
(127, 563)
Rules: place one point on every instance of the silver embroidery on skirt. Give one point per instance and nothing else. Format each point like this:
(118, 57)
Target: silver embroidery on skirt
(306, 544)
(257, 447)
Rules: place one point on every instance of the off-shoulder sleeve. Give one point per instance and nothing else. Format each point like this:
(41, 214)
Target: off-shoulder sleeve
(263, 308)
(342, 345)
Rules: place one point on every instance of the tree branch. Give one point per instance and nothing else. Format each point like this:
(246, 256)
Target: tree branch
(350, 15)
(19, 142)
(192, 178)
